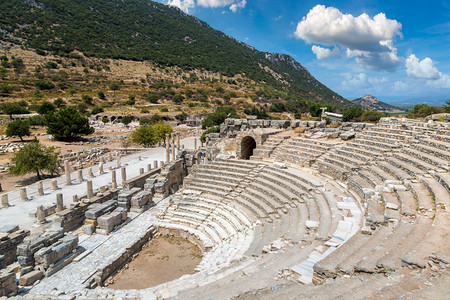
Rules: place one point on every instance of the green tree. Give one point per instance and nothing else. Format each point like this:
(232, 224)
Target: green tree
(352, 114)
(67, 123)
(219, 116)
(59, 102)
(153, 98)
(215, 129)
(105, 119)
(46, 107)
(44, 85)
(150, 134)
(18, 128)
(126, 120)
(101, 95)
(372, 116)
(13, 108)
(177, 99)
(35, 158)
(97, 110)
(38, 120)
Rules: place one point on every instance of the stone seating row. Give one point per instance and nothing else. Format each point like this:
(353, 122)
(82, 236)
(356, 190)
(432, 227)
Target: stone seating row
(302, 151)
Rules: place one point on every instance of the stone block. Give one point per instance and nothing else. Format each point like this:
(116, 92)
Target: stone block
(347, 135)
(30, 278)
(88, 229)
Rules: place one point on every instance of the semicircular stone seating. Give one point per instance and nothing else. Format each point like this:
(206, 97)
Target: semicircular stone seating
(370, 217)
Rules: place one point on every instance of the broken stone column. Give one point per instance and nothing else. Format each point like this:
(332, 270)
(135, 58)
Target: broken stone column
(141, 171)
(75, 198)
(40, 188)
(182, 146)
(119, 162)
(90, 173)
(113, 180)
(100, 168)
(123, 172)
(149, 167)
(173, 148)
(23, 194)
(161, 164)
(90, 190)
(59, 202)
(178, 141)
(40, 214)
(167, 148)
(5, 202)
(139, 158)
(67, 171)
(109, 156)
(195, 144)
(80, 176)
(54, 185)
(155, 164)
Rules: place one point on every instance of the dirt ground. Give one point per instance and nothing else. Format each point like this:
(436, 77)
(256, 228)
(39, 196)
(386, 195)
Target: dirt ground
(9, 182)
(164, 259)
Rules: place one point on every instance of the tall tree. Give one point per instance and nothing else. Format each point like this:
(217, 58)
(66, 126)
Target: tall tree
(35, 158)
(18, 128)
(67, 123)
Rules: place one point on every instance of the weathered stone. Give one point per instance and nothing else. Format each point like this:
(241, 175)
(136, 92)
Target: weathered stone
(30, 278)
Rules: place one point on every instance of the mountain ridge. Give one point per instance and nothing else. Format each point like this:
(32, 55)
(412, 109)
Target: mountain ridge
(146, 30)
(370, 102)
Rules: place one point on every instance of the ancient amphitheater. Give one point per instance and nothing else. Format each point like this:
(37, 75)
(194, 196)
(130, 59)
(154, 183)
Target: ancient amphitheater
(280, 216)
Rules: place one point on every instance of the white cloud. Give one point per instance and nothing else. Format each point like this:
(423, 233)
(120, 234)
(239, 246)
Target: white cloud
(442, 82)
(187, 5)
(400, 86)
(421, 69)
(368, 39)
(325, 53)
(184, 5)
(355, 81)
(234, 7)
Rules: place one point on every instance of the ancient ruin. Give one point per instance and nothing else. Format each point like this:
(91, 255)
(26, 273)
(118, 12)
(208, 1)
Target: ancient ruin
(286, 209)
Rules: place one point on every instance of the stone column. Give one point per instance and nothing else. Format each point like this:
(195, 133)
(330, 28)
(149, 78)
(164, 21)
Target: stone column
(195, 143)
(155, 164)
(100, 168)
(119, 162)
(113, 180)
(40, 188)
(161, 164)
(23, 194)
(109, 156)
(80, 176)
(40, 214)
(141, 171)
(201, 143)
(75, 198)
(167, 148)
(178, 141)
(149, 167)
(90, 173)
(139, 158)
(123, 172)
(182, 146)
(59, 202)
(54, 185)
(67, 171)
(5, 202)
(90, 190)
(173, 148)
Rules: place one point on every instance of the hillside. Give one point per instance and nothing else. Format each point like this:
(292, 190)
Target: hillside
(141, 30)
(369, 102)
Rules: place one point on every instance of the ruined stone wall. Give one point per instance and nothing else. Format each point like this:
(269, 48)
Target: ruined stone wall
(139, 180)
(9, 242)
(232, 127)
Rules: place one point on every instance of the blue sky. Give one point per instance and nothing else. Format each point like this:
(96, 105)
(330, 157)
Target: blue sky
(398, 51)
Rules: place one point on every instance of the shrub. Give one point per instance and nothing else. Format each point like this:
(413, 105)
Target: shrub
(44, 85)
(101, 95)
(372, 116)
(352, 114)
(97, 110)
(105, 119)
(150, 134)
(215, 129)
(219, 116)
(126, 120)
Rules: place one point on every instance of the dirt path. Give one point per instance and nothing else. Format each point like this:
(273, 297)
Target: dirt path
(164, 259)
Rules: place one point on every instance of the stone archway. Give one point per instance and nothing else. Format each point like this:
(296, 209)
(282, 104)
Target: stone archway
(248, 144)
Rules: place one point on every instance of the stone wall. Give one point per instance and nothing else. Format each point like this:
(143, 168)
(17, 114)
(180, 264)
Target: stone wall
(139, 180)
(9, 242)
(232, 127)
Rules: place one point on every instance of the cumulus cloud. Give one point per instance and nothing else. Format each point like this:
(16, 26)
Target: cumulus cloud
(362, 81)
(234, 7)
(421, 68)
(187, 5)
(325, 53)
(368, 39)
(184, 5)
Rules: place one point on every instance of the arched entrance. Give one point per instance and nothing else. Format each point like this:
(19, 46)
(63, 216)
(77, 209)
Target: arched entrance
(247, 145)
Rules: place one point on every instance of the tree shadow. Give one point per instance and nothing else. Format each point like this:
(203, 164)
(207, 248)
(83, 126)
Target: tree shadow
(34, 179)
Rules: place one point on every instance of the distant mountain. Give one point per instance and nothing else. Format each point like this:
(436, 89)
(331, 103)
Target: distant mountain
(372, 103)
(144, 30)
